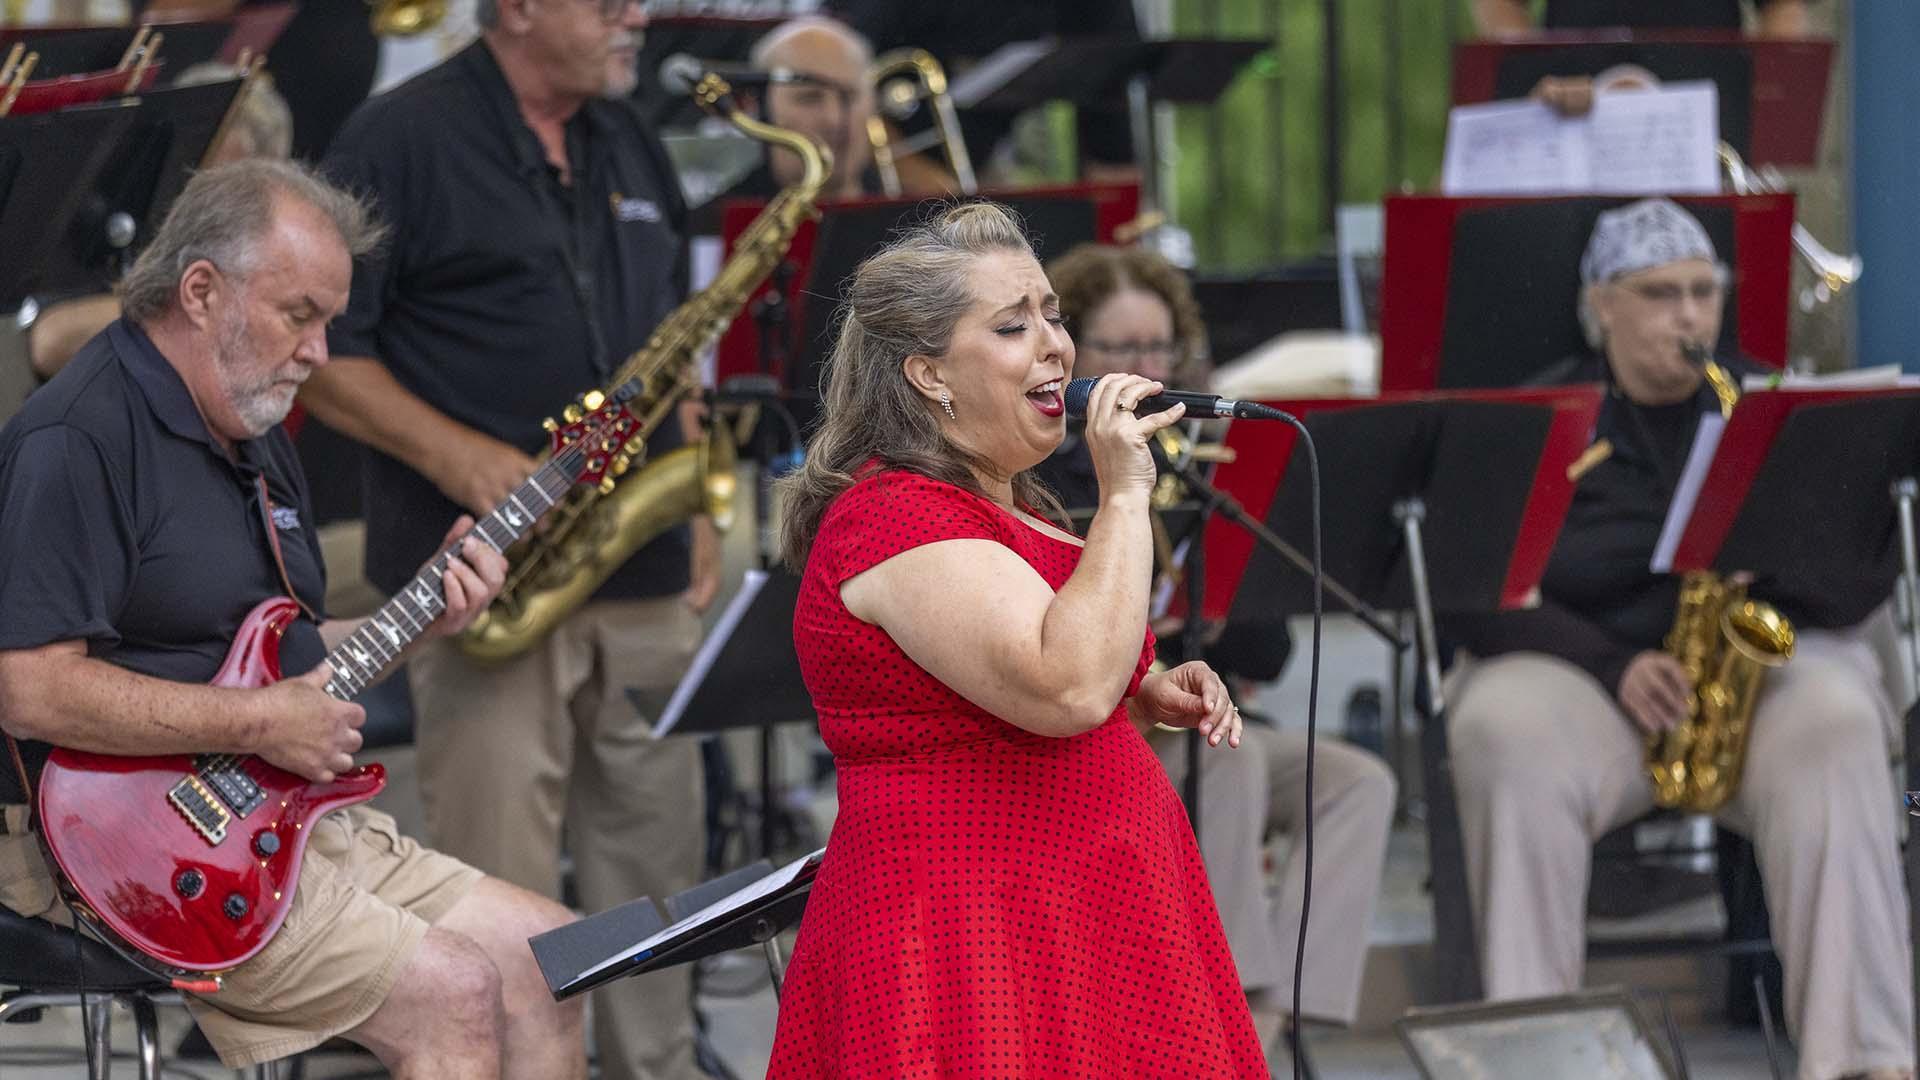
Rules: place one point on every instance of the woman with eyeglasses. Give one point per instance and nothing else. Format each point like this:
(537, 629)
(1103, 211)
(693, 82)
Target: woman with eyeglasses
(1130, 310)
(1548, 724)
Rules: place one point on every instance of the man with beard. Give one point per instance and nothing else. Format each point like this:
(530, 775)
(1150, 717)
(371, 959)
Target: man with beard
(538, 241)
(151, 500)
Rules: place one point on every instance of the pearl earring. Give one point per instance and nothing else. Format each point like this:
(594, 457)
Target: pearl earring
(946, 402)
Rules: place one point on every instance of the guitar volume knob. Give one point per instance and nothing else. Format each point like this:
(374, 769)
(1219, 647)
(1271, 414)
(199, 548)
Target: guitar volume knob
(235, 907)
(189, 883)
(266, 843)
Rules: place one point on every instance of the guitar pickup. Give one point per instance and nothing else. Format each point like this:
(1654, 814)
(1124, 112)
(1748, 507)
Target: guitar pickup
(201, 809)
(227, 776)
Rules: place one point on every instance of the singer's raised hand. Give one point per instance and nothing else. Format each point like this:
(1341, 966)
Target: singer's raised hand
(1117, 438)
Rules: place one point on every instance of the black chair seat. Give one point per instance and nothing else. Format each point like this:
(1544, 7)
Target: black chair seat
(37, 955)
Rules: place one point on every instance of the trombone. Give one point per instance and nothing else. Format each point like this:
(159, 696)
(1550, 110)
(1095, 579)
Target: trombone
(1836, 273)
(902, 79)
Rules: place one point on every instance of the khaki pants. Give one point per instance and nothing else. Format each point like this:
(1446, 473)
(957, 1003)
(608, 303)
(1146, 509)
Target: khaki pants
(365, 898)
(508, 754)
(1247, 793)
(1545, 762)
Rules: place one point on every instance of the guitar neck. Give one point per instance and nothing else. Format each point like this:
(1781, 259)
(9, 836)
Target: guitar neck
(370, 651)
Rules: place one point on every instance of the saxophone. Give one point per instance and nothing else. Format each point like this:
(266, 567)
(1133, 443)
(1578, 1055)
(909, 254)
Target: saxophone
(596, 529)
(1727, 642)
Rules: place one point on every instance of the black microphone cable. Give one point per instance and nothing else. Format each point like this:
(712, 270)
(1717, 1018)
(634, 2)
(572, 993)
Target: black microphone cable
(1313, 712)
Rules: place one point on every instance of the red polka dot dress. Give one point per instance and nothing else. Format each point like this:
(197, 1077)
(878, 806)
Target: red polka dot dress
(993, 903)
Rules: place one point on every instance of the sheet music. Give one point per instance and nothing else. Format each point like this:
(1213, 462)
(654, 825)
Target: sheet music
(1878, 377)
(1512, 148)
(703, 660)
(1705, 441)
(1633, 142)
(1656, 142)
(714, 912)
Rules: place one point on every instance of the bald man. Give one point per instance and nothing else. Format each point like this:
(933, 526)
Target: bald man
(818, 86)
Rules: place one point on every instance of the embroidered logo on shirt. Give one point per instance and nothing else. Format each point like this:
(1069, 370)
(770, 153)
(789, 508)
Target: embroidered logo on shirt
(627, 209)
(286, 518)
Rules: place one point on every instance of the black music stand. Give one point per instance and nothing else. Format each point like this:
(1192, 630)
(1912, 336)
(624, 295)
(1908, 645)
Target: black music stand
(750, 906)
(1094, 72)
(1445, 504)
(745, 674)
(51, 223)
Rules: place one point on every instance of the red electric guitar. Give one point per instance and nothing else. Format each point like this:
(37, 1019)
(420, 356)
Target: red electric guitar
(191, 861)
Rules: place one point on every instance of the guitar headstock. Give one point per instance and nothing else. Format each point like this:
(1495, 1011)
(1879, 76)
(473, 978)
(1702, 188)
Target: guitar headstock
(608, 433)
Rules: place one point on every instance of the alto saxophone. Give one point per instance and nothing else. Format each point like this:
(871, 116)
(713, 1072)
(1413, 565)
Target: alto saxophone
(1727, 642)
(597, 529)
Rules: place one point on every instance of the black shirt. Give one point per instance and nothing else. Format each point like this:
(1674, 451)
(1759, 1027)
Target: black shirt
(1645, 14)
(1600, 603)
(503, 293)
(125, 525)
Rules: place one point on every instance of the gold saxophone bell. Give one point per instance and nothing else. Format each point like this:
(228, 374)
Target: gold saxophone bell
(596, 530)
(902, 79)
(406, 18)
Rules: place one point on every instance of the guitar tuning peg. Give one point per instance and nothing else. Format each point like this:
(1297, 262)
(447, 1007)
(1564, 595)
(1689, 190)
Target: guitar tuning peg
(607, 485)
(572, 414)
(550, 425)
(593, 399)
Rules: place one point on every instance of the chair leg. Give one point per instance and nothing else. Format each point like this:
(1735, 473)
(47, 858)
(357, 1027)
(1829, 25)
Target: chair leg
(147, 1028)
(99, 1020)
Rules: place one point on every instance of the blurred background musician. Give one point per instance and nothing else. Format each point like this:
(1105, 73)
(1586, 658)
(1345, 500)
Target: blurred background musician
(1548, 725)
(1130, 310)
(539, 240)
(817, 84)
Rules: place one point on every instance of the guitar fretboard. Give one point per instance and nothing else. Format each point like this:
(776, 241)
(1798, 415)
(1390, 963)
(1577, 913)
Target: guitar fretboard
(366, 654)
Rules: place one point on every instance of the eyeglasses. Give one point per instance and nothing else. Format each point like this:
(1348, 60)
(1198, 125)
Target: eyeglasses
(611, 10)
(1131, 350)
(1670, 293)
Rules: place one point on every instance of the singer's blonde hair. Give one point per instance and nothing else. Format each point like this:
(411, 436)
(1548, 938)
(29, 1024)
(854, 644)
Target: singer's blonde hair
(905, 300)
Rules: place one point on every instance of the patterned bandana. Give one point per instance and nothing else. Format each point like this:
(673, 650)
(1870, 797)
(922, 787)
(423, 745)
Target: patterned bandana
(1640, 236)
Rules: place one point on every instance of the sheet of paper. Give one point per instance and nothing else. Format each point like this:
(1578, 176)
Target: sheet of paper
(1633, 142)
(1656, 142)
(1706, 439)
(703, 660)
(719, 909)
(1880, 376)
(1512, 148)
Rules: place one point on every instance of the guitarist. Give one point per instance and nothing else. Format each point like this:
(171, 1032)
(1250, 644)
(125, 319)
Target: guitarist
(148, 500)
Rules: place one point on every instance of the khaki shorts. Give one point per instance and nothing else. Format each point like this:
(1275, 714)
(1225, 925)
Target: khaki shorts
(365, 899)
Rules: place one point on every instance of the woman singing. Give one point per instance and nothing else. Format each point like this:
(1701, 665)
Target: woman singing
(1012, 888)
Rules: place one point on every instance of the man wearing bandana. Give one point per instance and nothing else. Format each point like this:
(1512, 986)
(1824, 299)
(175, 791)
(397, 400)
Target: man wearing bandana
(1548, 725)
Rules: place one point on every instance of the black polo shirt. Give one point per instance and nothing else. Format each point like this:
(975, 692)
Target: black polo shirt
(125, 525)
(503, 293)
(1600, 603)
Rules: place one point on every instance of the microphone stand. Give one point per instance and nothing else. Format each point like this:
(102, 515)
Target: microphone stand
(1212, 499)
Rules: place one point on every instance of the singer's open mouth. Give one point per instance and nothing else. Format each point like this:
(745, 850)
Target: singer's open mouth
(1046, 398)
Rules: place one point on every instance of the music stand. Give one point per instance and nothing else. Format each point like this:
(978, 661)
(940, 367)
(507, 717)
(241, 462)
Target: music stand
(1772, 92)
(1464, 279)
(1448, 502)
(750, 906)
(745, 674)
(51, 166)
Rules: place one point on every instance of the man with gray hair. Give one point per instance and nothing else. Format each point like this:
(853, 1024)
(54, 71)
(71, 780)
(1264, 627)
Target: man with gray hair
(150, 500)
(1549, 724)
(539, 240)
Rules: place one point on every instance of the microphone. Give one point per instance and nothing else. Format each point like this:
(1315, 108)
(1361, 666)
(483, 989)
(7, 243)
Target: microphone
(1199, 406)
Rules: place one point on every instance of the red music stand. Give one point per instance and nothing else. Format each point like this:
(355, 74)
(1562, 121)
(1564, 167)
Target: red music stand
(67, 91)
(1520, 256)
(1772, 91)
(1445, 501)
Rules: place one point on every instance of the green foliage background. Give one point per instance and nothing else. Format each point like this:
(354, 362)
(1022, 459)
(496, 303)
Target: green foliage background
(1250, 178)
